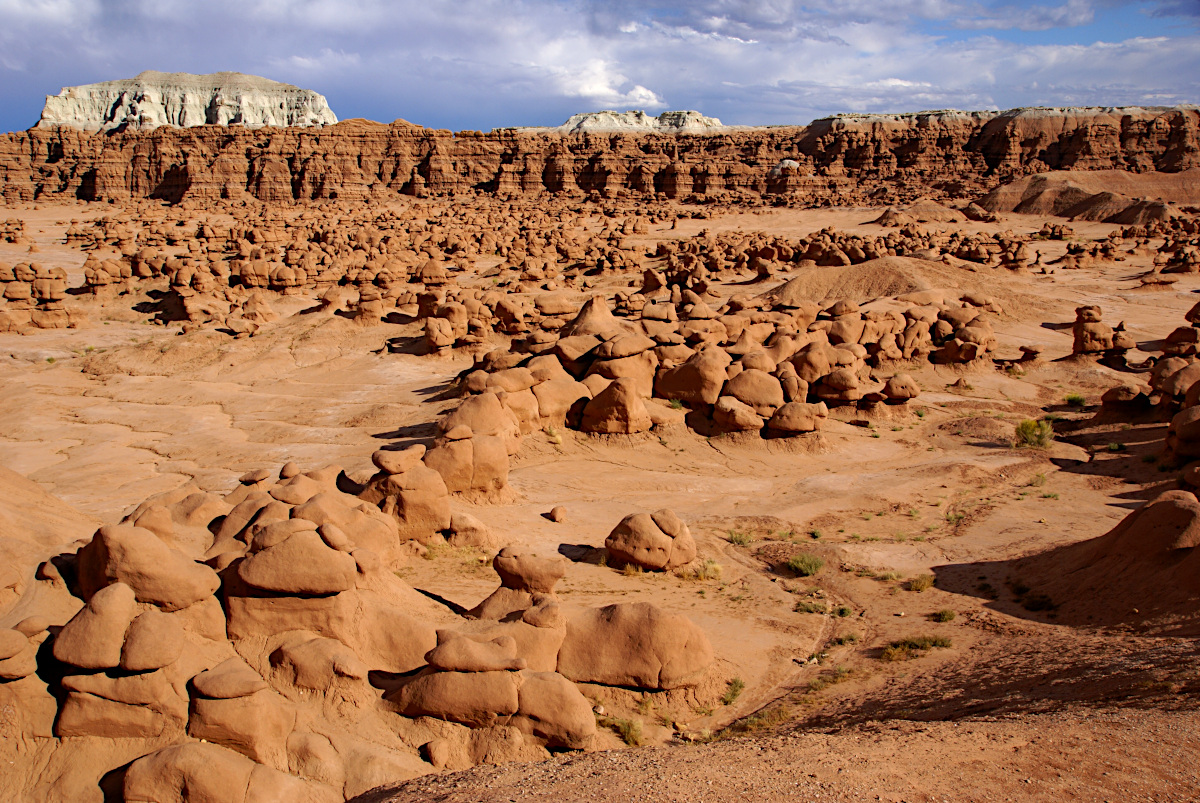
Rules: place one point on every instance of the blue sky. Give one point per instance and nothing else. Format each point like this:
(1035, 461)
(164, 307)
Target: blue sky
(481, 64)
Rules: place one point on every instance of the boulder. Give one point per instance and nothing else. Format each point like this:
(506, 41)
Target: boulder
(636, 645)
(653, 541)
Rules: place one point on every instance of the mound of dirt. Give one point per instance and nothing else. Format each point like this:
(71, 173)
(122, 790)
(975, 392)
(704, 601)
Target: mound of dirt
(883, 277)
(33, 526)
(1146, 568)
(1055, 192)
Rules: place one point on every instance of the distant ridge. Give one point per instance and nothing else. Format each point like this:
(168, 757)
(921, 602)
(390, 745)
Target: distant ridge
(183, 100)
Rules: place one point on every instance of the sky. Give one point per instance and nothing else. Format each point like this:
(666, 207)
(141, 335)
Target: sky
(482, 64)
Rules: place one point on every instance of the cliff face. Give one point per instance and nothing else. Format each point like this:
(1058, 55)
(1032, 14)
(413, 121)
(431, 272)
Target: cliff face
(182, 100)
(837, 160)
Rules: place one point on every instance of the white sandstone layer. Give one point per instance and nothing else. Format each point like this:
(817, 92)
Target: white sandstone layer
(183, 100)
(638, 122)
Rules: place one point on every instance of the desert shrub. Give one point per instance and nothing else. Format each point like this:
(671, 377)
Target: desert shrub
(922, 582)
(733, 691)
(1034, 434)
(805, 606)
(1117, 447)
(1075, 399)
(739, 538)
(631, 569)
(843, 611)
(676, 404)
(1037, 480)
(630, 730)
(709, 570)
(944, 615)
(805, 564)
(912, 647)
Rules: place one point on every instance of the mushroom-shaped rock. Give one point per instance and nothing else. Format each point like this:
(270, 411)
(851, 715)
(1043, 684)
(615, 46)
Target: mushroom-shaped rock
(229, 680)
(529, 571)
(398, 462)
(757, 389)
(552, 708)
(137, 557)
(797, 417)
(477, 699)
(900, 389)
(617, 410)
(699, 380)
(198, 772)
(634, 644)
(734, 416)
(154, 640)
(652, 540)
(95, 635)
(463, 653)
(302, 564)
(594, 318)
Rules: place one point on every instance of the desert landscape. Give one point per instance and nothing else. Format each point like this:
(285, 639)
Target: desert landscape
(641, 458)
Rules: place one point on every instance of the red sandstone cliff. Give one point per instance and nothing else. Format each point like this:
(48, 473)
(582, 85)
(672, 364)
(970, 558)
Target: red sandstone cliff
(843, 159)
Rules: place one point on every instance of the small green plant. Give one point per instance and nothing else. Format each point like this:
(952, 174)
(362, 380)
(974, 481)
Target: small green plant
(676, 404)
(1117, 447)
(814, 535)
(1075, 399)
(849, 638)
(739, 538)
(805, 606)
(1050, 495)
(1034, 434)
(733, 691)
(805, 564)
(912, 647)
(553, 436)
(922, 582)
(645, 706)
(51, 360)
(921, 413)
(842, 611)
(631, 570)
(955, 518)
(944, 615)
(1037, 481)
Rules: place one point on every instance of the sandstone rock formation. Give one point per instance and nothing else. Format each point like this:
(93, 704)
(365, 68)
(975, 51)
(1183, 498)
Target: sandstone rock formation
(930, 154)
(634, 122)
(182, 100)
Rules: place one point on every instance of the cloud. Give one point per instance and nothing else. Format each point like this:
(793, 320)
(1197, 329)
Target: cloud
(490, 63)
(1071, 14)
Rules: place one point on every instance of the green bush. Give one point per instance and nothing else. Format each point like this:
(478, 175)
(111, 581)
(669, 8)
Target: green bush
(735, 688)
(944, 615)
(739, 538)
(805, 564)
(1075, 399)
(1034, 434)
(912, 647)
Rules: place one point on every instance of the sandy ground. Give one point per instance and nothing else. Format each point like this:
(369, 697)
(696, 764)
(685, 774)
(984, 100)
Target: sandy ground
(107, 415)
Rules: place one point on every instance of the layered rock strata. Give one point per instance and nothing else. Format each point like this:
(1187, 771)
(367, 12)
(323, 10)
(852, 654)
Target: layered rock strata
(183, 100)
(836, 160)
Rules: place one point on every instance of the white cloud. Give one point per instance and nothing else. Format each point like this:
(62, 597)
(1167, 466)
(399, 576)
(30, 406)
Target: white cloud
(485, 63)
